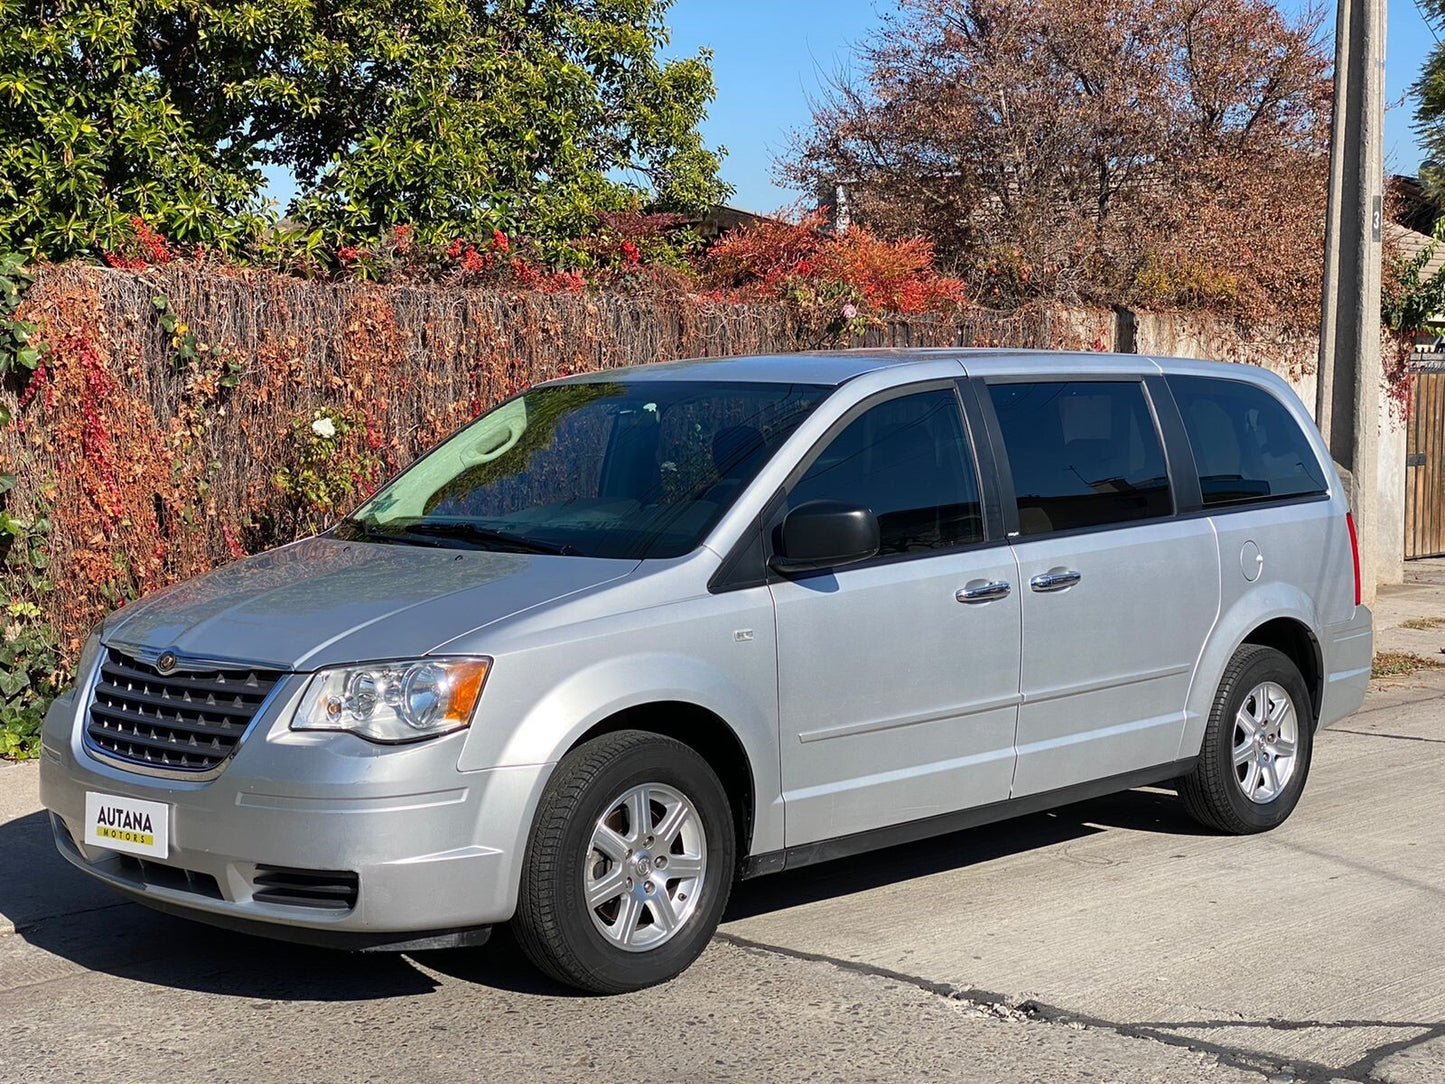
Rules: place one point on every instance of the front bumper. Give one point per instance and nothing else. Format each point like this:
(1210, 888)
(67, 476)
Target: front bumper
(432, 848)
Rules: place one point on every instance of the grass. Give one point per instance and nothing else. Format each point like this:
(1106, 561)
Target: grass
(1423, 623)
(1401, 663)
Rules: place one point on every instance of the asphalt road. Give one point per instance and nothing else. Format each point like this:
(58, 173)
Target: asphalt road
(1109, 941)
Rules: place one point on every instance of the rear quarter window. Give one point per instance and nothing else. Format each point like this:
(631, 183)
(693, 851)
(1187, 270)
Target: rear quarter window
(1247, 445)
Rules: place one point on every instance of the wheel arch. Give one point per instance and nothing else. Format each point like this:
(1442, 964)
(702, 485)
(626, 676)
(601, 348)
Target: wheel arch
(732, 722)
(1277, 616)
(1293, 639)
(706, 733)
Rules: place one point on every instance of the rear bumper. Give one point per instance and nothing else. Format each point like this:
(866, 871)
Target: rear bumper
(433, 850)
(1349, 652)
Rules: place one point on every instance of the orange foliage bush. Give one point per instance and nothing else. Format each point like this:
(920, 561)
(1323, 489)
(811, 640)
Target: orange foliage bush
(838, 283)
(880, 277)
(892, 276)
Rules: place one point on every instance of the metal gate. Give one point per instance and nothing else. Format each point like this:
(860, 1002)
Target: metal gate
(1425, 467)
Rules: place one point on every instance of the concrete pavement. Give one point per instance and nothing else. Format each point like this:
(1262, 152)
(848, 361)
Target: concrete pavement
(1109, 941)
(1315, 949)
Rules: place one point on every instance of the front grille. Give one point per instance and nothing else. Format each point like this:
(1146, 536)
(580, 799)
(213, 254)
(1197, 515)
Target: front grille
(188, 721)
(324, 890)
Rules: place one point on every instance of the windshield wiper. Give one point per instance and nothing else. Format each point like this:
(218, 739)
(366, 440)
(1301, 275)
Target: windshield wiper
(487, 536)
(367, 528)
(440, 534)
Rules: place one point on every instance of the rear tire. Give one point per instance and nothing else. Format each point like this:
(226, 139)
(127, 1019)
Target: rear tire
(1257, 745)
(629, 865)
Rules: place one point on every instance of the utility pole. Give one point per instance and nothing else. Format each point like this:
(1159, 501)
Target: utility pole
(1350, 375)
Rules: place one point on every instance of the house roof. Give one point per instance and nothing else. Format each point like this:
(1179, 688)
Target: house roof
(1411, 243)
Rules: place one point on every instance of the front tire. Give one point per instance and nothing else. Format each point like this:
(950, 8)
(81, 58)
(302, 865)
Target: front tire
(1257, 746)
(629, 865)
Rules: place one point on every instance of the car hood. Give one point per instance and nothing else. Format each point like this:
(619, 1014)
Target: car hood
(322, 601)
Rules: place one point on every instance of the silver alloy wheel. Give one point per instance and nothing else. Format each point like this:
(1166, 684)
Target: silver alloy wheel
(644, 870)
(1266, 742)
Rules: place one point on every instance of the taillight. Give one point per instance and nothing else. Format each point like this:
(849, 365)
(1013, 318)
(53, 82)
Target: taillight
(1354, 552)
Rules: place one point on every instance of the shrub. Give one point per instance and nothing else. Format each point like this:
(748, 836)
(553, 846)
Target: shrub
(836, 282)
(31, 666)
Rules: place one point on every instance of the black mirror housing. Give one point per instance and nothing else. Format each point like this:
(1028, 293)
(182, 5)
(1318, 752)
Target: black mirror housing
(824, 534)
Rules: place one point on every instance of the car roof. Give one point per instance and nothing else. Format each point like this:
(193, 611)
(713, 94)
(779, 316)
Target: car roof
(831, 368)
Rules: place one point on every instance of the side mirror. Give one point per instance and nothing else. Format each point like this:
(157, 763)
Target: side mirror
(824, 534)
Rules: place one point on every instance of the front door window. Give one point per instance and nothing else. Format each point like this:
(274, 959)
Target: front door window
(907, 459)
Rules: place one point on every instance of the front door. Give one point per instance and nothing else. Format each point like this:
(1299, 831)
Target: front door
(898, 677)
(1118, 593)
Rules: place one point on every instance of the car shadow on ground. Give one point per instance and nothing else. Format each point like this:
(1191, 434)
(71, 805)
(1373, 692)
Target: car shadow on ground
(60, 910)
(1150, 810)
(57, 908)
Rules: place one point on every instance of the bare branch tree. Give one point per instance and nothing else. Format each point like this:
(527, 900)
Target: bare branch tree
(1168, 152)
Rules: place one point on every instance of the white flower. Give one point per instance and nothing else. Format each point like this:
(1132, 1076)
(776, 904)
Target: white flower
(324, 428)
(850, 311)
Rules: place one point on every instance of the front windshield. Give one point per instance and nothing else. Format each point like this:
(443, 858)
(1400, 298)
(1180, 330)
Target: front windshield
(607, 469)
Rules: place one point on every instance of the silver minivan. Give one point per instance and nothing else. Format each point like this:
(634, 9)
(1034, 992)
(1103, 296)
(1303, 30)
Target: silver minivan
(634, 635)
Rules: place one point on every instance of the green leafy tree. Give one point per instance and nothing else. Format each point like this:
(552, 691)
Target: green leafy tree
(528, 116)
(1429, 93)
(110, 110)
(454, 115)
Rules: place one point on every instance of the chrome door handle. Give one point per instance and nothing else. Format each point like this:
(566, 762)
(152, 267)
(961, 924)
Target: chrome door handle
(1055, 580)
(983, 591)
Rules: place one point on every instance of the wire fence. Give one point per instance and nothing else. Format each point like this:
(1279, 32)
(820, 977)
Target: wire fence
(169, 430)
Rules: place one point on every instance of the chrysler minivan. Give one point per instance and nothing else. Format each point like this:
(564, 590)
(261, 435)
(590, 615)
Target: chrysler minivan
(631, 636)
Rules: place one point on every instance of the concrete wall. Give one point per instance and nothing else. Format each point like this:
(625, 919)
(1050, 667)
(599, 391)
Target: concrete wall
(1389, 560)
(1190, 335)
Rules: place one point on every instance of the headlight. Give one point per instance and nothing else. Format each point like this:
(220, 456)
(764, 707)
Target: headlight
(394, 701)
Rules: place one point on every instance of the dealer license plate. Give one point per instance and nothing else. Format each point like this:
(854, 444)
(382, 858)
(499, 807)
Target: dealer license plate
(127, 824)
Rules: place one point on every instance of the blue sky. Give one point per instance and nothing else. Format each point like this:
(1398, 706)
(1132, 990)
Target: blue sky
(770, 57)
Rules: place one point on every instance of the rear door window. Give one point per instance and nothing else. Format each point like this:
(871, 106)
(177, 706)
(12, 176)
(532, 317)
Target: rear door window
(1083, 453)
(1246, 445)
(908, 460)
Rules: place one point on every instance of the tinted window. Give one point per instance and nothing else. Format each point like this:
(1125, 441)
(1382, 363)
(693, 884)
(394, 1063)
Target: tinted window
(1083, 454)
(603, 469)
(908, 460)
(1247, 446)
